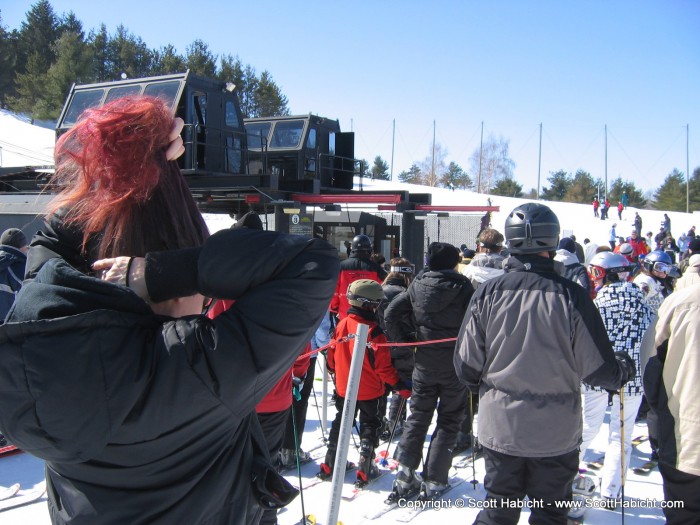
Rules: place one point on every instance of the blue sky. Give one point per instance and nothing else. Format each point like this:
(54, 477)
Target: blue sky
(574, 66)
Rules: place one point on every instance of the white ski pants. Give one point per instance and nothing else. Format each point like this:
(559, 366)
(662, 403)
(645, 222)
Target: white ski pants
(595, 405)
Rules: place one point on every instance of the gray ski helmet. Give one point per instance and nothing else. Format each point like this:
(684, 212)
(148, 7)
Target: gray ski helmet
(609, 267)
(532, 228)
(361, 243)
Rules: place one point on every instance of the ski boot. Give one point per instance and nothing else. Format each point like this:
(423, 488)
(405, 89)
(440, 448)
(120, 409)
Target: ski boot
(583, 489)
(431, 490)
(288, 457)
(406, 485)
(326, 471)
(584, 485)
(366, 469)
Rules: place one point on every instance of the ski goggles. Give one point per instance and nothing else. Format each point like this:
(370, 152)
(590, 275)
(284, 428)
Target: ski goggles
(598, 273)
(402, 269)
(364, 300)
(662, 267)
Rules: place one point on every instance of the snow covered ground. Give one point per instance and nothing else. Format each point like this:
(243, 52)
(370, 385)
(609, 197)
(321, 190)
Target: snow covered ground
(460, 505)
(574, 218)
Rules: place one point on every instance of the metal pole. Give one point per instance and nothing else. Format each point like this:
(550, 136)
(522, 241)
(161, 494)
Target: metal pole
(341, 456)
(539, 164)
(606, 165)
(687, 169)
(324, 394)
(433, 177)
(623, 463)
(393, 136)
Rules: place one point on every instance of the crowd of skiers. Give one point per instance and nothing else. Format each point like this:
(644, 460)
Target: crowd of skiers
(151, 403)
(522, 360)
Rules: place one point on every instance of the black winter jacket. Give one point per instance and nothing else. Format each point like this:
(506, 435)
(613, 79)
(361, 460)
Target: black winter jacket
(401, 356)
(149, 419)
(431, 309)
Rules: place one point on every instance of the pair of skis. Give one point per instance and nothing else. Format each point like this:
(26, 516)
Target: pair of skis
(12, 497)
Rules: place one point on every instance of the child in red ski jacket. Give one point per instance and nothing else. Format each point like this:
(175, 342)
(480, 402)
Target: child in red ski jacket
(364, 296)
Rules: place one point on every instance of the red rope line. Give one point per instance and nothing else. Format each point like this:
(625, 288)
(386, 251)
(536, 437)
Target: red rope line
(372, 345)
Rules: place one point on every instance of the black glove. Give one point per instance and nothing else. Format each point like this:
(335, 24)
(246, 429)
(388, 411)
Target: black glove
(629, 370)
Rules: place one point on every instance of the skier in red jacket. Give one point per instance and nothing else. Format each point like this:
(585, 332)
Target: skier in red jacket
(358, 265)
(364, 296)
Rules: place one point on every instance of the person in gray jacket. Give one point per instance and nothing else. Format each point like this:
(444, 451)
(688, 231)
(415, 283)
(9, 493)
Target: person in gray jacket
(527, 341)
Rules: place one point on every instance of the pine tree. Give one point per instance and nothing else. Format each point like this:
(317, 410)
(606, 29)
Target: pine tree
(244, 77)
(635, 197)
(70, 24)
(269, 100)
(167, 61)
(456, 178)
(508, 187)
(671, 195)
(200, 60)
(581, 189)
(380, 169)
(561, 182)
(8, 61)
(29, 86)
(73, 64)
(127, 54)
(694, 201)
(99, 45)
(37, 35)
(414, 175)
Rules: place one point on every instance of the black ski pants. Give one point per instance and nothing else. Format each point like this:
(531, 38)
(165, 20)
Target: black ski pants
(444, 392)
(298, 416)
(273, 425)
(681, 486)
(371, 418)
(544, 480)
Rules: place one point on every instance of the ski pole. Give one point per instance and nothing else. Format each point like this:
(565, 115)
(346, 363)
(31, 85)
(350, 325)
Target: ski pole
(357, 429)
(474, 482)
(384, 462)
(622, 453)
(296, 453)
(320, 420)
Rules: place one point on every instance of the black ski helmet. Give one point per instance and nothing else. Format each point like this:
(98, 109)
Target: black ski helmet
(361, 243)
(532, 228)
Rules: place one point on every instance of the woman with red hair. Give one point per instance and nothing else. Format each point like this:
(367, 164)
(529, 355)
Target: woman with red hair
(143, 408)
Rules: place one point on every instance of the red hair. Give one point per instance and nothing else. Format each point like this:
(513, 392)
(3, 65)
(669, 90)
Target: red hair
(116, 185)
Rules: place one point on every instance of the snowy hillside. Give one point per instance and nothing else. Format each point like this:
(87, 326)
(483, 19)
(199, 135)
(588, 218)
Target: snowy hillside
(574, 218)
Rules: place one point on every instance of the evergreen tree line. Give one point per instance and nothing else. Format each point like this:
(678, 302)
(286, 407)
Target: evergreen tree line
(491, 172)
(42, 59)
